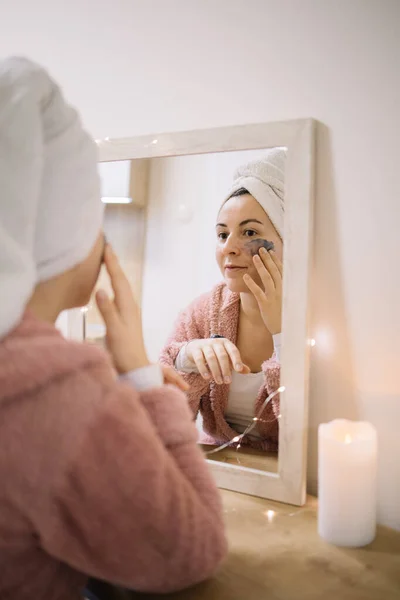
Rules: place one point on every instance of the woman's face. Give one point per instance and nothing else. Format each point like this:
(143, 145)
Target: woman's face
(242, 219)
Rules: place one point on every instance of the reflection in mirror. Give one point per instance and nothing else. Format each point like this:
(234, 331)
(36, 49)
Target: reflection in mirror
(220, 274)
(211, 296)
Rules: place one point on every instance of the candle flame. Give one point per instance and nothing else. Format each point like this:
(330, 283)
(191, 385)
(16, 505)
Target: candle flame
(347, 439)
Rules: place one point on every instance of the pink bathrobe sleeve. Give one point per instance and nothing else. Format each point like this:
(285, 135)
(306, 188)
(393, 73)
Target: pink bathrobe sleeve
(136, 505)
(100, 479)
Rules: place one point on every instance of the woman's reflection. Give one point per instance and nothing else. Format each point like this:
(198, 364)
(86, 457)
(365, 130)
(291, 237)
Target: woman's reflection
(227, 342)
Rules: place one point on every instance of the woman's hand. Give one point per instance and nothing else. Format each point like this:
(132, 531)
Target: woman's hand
(269, 299)
(172, 377)
(216, 357)
(124, 337)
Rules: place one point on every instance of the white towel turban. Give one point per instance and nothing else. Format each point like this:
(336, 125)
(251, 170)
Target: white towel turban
(50, 204)
(264, 179)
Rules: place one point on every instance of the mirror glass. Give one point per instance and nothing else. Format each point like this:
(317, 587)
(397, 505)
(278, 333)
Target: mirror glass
(201, 239)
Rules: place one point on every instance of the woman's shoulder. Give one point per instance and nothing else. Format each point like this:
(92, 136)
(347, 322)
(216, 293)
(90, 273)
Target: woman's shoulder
(35, 354)
(203, 314)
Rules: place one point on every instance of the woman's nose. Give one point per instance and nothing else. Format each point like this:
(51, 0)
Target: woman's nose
(231, 246)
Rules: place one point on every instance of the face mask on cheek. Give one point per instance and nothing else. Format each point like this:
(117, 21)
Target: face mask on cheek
(254, 246)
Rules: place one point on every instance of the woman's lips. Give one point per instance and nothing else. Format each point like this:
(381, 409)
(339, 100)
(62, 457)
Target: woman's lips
(231, 270)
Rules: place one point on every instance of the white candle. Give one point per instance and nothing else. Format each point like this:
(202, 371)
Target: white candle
(347, 457)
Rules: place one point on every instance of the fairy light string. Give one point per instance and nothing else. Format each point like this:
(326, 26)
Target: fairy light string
(238, 439)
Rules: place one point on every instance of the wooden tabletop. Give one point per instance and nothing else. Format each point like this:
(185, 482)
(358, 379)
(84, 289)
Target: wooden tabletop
(276, 554)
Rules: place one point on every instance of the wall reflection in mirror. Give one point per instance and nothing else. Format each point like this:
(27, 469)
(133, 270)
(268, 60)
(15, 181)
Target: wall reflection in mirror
(201, 240)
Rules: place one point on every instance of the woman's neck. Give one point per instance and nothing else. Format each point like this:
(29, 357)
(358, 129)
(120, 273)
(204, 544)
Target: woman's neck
(249, 309)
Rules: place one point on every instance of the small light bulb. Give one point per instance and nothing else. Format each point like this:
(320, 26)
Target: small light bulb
(270, 514)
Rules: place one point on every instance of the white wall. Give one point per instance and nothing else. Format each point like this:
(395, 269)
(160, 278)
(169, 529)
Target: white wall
(62, 323)
(145, 66)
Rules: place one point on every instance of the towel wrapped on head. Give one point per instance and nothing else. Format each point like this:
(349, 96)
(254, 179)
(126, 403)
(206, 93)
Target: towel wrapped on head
(264, 179)
(50, 203)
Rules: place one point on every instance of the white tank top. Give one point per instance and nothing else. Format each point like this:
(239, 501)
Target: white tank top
(243, 391)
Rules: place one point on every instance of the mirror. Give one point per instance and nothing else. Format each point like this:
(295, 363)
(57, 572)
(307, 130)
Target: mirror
(187, 253)
(224, 216)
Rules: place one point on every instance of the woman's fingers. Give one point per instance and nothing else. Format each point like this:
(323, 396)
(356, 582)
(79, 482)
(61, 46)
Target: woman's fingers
(173, 378)
(271, 267)
(277, 261)
(265, 276)
(255, 289)
(199, 361)
(216, 358)
(213, 364)
(224, 362)
(235, 357)
(107, 310)
(123, 298)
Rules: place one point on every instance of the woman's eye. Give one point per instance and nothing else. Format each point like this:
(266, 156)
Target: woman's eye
(250, 233)
(222, 235)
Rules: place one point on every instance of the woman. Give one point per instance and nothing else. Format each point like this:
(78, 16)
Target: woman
(226, 343)
(99, 477)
